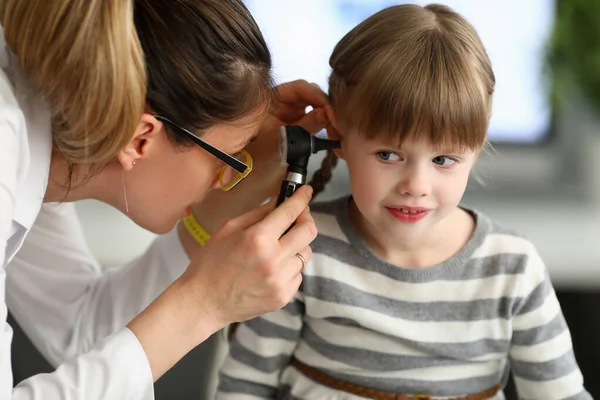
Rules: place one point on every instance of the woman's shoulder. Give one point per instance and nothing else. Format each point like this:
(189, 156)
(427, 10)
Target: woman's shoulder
(25, 143)
(12, 120)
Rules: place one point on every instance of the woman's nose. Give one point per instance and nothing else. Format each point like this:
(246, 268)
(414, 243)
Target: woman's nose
(215, 183)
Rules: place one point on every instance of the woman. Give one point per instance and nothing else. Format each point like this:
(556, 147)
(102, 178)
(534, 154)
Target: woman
(139, 104)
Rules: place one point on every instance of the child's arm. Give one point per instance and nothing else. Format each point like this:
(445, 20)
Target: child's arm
(541, 353)
(259, 351)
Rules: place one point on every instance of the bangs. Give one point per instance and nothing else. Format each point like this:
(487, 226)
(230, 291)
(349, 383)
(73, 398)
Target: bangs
(426, 92)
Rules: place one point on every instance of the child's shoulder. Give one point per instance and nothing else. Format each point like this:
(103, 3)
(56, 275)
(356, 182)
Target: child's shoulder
(505, 246)
(330, 207)
(328, 214)
(500, 236)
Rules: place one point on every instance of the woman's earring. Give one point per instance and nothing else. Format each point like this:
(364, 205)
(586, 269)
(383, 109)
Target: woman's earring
(133, 162)
(125, 191)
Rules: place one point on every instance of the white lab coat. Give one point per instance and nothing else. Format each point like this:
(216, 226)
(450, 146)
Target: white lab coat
(73, 311)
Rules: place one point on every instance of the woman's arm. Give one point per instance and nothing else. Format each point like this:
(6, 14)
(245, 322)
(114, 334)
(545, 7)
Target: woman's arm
(56, 286)
(72, 310)
(77, 316)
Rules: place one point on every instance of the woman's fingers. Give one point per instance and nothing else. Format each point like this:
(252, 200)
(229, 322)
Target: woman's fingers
(288, 114)
(302, 92)
(300, 235)
(298, 262)
(314, 121)
(293, 99)
(291, 274)
(280, 219)
(250, 218)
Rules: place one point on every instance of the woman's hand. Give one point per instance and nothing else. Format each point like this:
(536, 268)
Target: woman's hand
(293, 99)
(265, 179)
(248, 268)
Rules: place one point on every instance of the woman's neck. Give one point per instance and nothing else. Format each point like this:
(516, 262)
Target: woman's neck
(78, 182)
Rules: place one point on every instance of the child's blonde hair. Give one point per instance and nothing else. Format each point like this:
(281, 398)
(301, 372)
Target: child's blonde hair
(411, 71)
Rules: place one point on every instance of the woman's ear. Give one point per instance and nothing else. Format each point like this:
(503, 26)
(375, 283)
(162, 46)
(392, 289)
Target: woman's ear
(334, 133)
(141, 143)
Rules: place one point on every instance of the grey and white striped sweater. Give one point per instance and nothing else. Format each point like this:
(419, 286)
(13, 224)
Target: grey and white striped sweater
(447, 331)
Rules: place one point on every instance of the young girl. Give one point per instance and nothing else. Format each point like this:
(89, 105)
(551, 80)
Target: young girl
(408, 294)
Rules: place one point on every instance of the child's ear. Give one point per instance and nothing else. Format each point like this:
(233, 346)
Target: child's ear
(334, 133)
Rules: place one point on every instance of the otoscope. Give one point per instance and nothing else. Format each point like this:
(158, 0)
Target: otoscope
(295, 148)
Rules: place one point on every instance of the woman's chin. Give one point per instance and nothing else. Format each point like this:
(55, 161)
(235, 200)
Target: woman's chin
(160, 226)
(165, 229)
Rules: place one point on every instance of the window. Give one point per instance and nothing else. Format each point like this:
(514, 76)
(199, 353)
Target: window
(302, 35)
(536, 149)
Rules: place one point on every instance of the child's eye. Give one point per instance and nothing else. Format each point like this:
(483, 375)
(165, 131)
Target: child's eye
(444, 161)
(388, 156)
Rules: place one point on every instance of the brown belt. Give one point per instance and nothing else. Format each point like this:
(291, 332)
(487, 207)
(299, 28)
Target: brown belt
(369, 393)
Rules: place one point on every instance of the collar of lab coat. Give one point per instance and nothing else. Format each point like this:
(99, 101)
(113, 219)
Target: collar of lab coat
(35, 142)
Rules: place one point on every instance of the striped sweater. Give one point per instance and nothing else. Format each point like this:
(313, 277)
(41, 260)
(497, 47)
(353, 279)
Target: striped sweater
(449, 330)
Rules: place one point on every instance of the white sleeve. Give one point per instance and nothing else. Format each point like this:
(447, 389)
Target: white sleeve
(8, 181)
(116, 368)
(76, 314)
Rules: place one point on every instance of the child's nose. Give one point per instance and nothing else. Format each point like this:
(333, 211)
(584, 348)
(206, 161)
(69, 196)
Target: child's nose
(415, 184)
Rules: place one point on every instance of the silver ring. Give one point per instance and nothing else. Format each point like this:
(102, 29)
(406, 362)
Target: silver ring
(302, 260)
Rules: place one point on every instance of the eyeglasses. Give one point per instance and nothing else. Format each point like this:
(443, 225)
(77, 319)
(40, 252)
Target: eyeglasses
(237, 167)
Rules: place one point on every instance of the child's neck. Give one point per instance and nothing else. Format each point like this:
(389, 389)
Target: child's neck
(428, 250)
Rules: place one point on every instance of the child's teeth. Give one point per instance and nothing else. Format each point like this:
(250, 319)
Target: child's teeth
(408, 211)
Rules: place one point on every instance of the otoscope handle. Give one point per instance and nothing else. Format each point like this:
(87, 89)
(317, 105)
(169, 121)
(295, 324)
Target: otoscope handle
(290, 184)
(287, 190)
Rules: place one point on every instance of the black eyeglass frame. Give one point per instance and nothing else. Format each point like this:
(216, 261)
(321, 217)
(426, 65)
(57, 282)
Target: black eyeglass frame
(221, 155)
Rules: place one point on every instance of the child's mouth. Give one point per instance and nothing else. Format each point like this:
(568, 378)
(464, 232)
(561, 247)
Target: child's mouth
(408, 214)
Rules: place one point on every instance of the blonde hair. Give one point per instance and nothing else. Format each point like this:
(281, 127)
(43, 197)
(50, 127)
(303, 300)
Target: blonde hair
(85, 59)
(412, 71)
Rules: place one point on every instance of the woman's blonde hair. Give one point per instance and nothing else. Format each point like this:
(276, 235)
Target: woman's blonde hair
(99, 63)
(85, 59)
(412, 71)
